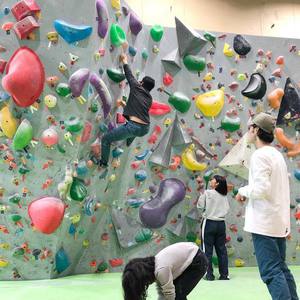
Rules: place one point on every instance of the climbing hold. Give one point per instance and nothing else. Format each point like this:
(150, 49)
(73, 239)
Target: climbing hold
(231, 124)
(211, 103)
(194, 63)
(135, 24)
(144, 235)
(156, 32)
(180, 102)
(61, 260)
(290, 103)
(46, 213)
(293, 148)
(25, 76)
(140, 175)
(103, 92)
(50, 101)
(280, 60)
(275, 97)
(227, 50)
(145, 54)
(159, 109)
(239, 262)
(78, 80)
(167, 79)
(132, 51)
(277, 73)
(72, 33)
(117, 35)
(73, 124)
(115, 75)
(63, 90)
(210, 37)
(102, 18)
(297, 174)
(23, 135)
(240, 45)
(189, 161)
(49, 137)
(256, 87)
(78, 191)
(154, 212)
(8, 123)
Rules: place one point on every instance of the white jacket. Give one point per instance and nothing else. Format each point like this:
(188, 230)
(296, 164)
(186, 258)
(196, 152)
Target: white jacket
(268, 192)
(214, 205)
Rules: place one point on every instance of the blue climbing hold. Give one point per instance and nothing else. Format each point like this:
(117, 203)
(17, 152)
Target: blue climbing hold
(72, 33)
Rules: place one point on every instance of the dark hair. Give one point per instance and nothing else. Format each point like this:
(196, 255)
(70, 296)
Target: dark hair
(148, 83)
(137, 276)
(264, 136)
(222, 185)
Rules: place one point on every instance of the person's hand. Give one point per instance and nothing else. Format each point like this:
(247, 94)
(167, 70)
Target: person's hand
(123, 59)
(121, 102)
(239, 198)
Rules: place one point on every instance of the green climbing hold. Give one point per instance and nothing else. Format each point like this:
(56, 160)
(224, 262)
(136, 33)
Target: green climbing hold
(235, 191)
(94, 107)
(78, 190)
(73, 124)
(23, 135)
(194, 63)
(115, 75)
(103, 266)
(210, 37)
(231, 124)
(207, 177)
(19, 252)
(191, 236)
(180, 102)
(24, 170)
(144, 235)
(156, 32)
(16, 218)
(117, 35)
(63, 90)
(214, 260)
(16, 199)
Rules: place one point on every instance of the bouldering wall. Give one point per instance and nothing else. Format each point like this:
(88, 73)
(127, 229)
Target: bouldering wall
(60, 86)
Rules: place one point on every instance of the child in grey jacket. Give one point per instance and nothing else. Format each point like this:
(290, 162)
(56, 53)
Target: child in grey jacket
(176, 269)
(214, 204)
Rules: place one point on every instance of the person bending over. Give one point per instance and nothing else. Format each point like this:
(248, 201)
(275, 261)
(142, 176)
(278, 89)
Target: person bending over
(176, 269)
(136, 111)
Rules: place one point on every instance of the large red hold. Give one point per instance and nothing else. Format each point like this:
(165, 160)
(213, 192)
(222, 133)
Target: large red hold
(25, 76)
(46, 213)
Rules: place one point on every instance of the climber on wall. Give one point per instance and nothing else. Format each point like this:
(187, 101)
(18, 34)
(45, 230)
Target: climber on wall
(136, 111)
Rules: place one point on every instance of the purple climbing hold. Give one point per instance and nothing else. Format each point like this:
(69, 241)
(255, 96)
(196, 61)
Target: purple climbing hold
(102, 18)
(135, 24)
(78, 80)
(154, 212)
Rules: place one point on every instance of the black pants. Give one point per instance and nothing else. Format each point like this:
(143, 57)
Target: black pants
(186, 282)
(214, 235)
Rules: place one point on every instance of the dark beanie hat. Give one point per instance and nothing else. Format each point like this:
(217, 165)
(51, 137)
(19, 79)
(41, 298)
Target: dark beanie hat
(148, 83)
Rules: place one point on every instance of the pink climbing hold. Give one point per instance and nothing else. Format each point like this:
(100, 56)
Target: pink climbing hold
(277, 73)
(46, 213)
(25, 76)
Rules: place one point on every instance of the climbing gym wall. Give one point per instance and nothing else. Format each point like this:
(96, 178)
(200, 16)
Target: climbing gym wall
(61, 83)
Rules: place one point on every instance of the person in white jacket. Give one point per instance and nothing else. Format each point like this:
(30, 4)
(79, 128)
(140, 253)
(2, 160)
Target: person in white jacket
(215, 207)
(176, 269)
(267, 214)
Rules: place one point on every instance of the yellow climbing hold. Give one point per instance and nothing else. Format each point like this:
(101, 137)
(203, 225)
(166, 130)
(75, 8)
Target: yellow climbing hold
(239, 262)
(3, 263)
(227, 50)
(189, 161)
(116, 4)
(211, 103)
(8, 123)
(208, 76)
